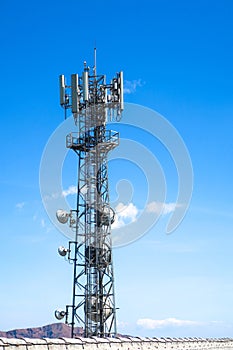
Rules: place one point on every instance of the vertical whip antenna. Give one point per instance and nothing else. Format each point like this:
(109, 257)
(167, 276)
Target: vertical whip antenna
(95, 66)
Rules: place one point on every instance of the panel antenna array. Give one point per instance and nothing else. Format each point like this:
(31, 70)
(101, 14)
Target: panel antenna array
(93, 103)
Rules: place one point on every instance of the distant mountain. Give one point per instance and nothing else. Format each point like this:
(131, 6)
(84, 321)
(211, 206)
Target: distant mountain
(55, 330)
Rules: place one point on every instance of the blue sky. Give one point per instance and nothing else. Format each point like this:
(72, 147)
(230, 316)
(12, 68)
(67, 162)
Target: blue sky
(177, 59)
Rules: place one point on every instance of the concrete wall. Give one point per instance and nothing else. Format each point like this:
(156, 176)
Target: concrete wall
(128, 343)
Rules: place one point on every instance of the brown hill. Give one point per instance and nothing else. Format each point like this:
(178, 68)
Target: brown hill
(55, 330)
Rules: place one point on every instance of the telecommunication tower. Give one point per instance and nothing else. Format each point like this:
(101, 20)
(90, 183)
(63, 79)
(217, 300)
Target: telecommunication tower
(93, 103)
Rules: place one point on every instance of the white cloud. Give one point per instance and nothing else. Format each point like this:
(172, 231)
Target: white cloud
(71, 190)
(127, 211)
(163, 208)
(52, 196)
(125, 214)
(122, 324)
(149, 323)
(131, 86)
(42, 222)
(20, 205)
(47, 227)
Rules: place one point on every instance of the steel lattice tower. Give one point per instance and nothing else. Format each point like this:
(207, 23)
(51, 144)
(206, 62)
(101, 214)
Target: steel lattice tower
(93, 103)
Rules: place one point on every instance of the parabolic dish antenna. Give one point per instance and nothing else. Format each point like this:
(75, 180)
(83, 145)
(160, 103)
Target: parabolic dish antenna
(62, 216)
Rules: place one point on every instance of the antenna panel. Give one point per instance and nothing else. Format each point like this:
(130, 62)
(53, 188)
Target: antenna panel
(85, 86)
(74, 93)
(62, 89)
(121, 91)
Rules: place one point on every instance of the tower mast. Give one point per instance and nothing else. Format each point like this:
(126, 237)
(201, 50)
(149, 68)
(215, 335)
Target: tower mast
(93, 103)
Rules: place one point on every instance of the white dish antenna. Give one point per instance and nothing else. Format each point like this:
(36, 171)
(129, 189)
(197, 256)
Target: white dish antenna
(62, 251)
(60, 314)
(62, 216)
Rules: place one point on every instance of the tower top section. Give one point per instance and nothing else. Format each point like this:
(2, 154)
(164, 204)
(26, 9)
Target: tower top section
(92, 90)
